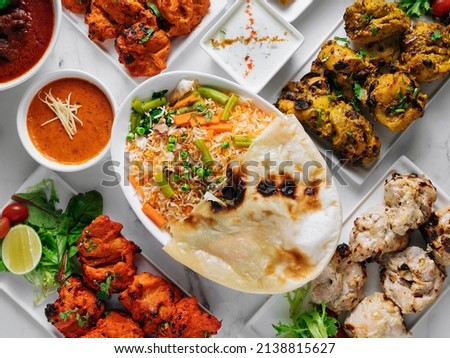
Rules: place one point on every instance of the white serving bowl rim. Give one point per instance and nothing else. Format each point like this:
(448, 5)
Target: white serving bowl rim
(23, 110)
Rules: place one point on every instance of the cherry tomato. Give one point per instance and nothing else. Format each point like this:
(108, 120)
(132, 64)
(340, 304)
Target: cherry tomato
(441, 7)
(15, 212)
(4, 227)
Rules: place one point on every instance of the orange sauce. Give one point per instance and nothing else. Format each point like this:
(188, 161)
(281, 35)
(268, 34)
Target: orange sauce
(96, 113)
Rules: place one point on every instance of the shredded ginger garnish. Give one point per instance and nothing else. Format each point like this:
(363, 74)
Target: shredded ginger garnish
(65, 112)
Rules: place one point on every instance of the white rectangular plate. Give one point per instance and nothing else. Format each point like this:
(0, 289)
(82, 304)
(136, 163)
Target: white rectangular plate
(292, 10)
(388, 138)
(178, 45)
(276, 308)
(16, 294)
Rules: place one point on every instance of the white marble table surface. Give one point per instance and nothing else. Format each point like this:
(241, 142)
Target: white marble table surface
(426, 143)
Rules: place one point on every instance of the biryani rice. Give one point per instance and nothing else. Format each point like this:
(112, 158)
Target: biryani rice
(149, 154)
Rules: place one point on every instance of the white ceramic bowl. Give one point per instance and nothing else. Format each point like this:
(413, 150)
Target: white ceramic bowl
(165, 81)
(292, 10)
(22, 119)
(251, 42)
(57, 8)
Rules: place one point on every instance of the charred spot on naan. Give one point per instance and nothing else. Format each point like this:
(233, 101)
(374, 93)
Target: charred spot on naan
(296, 264)
(194, 220)
(281, 184)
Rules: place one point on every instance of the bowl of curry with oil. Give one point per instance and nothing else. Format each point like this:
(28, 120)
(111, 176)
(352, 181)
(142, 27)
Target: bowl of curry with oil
(65, 120)
(29, 30)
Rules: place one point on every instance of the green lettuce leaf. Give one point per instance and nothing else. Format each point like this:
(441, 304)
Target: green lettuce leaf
(306, 322)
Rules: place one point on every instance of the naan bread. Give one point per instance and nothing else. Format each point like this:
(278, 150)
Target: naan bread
(283, 227)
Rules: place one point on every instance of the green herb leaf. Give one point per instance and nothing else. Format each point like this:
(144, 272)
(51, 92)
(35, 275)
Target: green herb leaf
(359, 91)
(319, 117)
(148, 32)
(306, 322)
(401, 106)
(41, 200)
(342, 39)
(103, 294)
(4, 4)
(361, 53)
(367, 18)
(65, 315)
(436, 35)
(415, 8)
(82, 209)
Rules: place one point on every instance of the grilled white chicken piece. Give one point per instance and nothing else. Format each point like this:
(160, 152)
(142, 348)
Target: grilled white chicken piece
(409, 201)
(411, 278)
(437, 233)
(376, 316)
(371, 236)
(341, 284)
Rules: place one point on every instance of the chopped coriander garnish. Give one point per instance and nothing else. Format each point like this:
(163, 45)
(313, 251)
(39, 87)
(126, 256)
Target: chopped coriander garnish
(356, 104)
(66, 314)
(361, 53)
(82, 320)
(342, 39)
(103, 294)
(359, 91)
(373, 30)
(148, 32)
(436, 35)
(402, 104)
(319, 117)
(414, 91)
(367, 18)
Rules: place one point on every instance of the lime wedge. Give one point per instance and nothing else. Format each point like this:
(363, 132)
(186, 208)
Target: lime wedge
(21, 249)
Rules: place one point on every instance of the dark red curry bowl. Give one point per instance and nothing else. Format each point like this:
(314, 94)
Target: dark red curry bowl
(28, 32)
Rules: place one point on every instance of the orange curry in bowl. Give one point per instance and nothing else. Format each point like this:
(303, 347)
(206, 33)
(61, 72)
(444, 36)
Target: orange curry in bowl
(92, 121)
(26, 28)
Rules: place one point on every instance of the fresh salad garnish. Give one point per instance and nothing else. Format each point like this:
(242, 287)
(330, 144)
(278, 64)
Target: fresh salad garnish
(58, 231)
(416, 8)
(308, 320)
